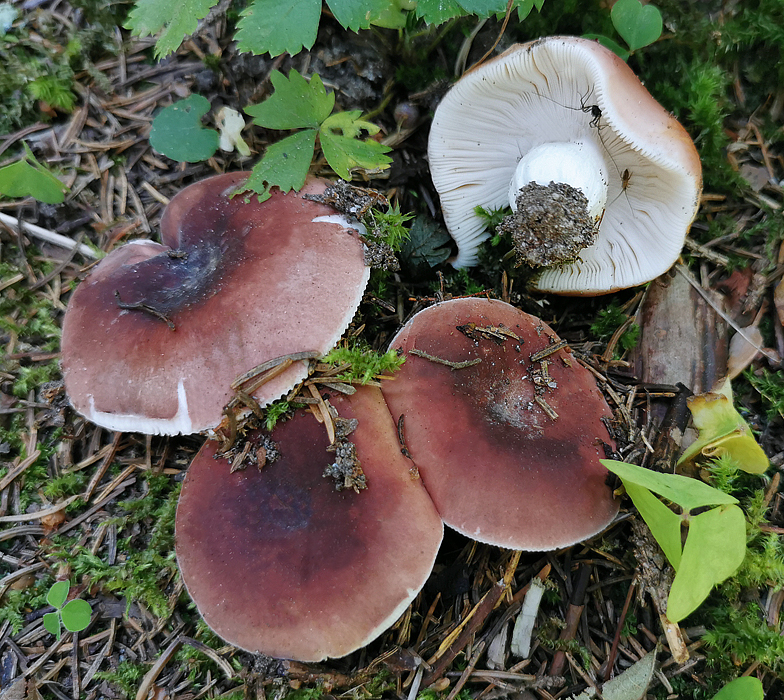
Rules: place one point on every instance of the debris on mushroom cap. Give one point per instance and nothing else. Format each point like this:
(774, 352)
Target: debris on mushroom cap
(508, 436)
(278, 561)
(568, 90)
(156, 334)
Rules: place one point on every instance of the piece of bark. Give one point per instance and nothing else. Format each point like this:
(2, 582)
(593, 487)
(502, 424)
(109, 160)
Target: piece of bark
(682, 339)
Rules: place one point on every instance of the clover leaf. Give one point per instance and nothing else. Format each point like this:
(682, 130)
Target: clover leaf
(73, 615)
(177, 131)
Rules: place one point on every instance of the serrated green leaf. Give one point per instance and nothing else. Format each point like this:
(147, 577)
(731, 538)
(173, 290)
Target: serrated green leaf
(76, 615)
(179, 17)
(746, 688)
(24, 179)
(177, 131)
(714, 550)
(357, 14)
(344, 151)
(665, 525)
(687, 493)
(278, 26)
(284, 165)
(349, 124)
(438, 11)
(58, 593)
(638, 24)
(52, 623)
(295, 104)
(723, 432)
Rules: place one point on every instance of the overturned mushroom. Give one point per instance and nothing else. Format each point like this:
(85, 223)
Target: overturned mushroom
(155, 335)
(278, 561)
(504, 425)
(604, 180)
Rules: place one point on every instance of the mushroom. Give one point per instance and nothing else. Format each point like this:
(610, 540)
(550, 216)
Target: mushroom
(278, 561)
(155, 335)
(504, 425)
(561, 130)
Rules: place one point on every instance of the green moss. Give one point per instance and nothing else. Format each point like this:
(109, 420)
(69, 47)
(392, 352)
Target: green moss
(17, 603)
(608, 320)
(125, 677)
(770, 386)
(365, 364)
(143, 566)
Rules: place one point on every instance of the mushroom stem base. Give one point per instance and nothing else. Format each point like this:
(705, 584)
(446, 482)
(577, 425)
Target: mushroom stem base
(551, 225)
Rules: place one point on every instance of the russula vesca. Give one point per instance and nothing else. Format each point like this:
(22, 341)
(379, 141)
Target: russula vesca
(566, 111)
(508, 436)
(278, 561)
(156, 333)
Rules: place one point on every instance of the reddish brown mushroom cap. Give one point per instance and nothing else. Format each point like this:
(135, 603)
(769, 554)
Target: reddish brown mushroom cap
(241, 283)
(497, 467)
(279, 562)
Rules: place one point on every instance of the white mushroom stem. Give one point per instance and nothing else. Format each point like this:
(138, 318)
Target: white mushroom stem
(579, 164)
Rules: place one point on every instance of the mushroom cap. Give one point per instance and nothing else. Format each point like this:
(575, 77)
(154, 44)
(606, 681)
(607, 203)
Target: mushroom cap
(544, 92)
(242, 282)
(278, 561)
(498, 468)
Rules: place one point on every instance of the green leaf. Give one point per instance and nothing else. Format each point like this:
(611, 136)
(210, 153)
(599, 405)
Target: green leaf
(714, 550)
(58, 593)
(746, 688)
(639, 25)
(394, 15)
(76, 615)
(665, 525)
(357, 14)
(179, 17)
(483, 8)
(295, 104)
(177, 131)
(344, 151)
(28, 178)
(428, 245)
(438, 11)
(687, 493)
(608, 43)
(723, 432)
(52, 623)
(278, 26)
(284, 165)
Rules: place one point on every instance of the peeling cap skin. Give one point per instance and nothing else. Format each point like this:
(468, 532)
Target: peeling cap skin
(568, 90)
(241, 282)
(279, 562)
(498, 468)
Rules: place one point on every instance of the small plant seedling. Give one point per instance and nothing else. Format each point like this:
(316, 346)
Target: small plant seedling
(177, 131)
(716, 541)
(28, 178)
(73, 615)
(299, 104)
(723, 432)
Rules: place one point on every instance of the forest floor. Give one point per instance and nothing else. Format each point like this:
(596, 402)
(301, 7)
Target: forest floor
(82, 503)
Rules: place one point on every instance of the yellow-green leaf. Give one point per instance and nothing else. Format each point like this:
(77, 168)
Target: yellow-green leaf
(723, 432)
